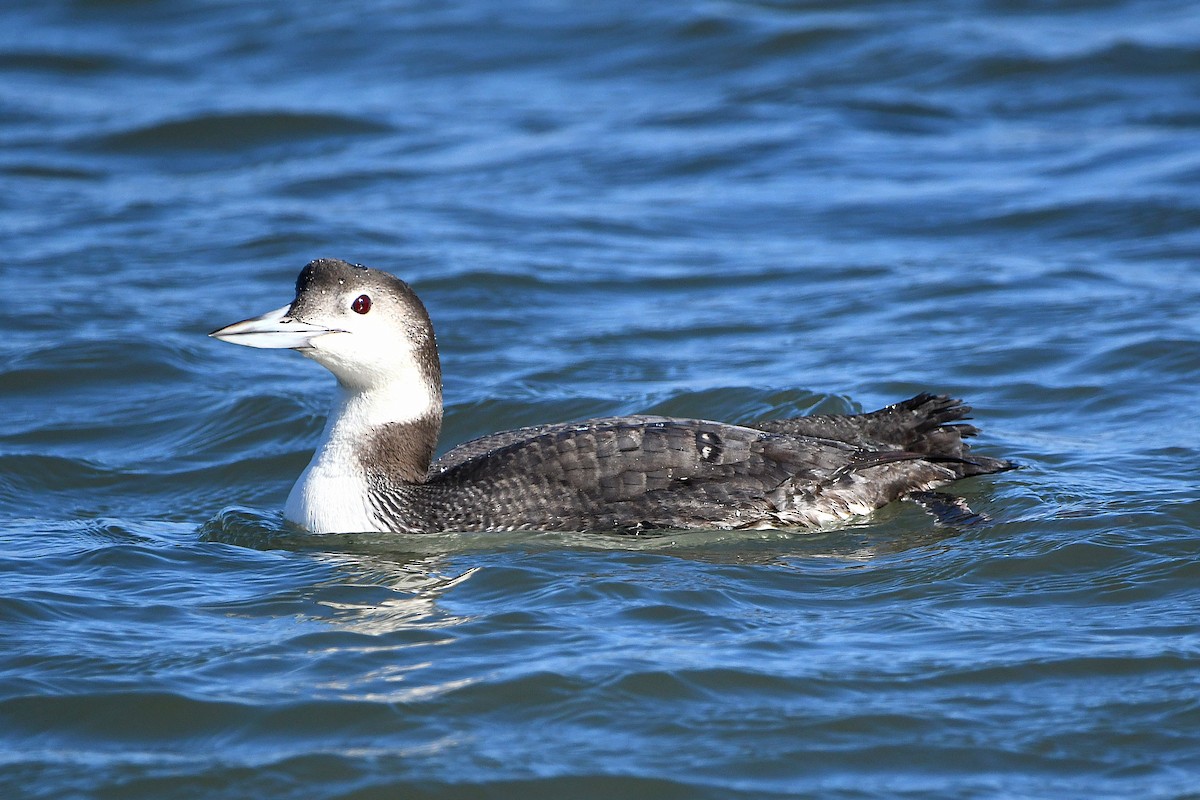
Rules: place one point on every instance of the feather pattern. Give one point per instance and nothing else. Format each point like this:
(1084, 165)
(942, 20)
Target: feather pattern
(649, 473)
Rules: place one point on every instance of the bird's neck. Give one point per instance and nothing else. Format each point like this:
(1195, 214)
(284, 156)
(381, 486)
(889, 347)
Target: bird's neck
(391, 430)
(378, 436)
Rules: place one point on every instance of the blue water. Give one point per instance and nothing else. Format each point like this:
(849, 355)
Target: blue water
(727, 210)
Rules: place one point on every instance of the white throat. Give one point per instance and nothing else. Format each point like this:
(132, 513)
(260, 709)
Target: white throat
(331, 494)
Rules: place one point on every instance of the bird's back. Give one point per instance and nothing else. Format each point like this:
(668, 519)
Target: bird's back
(641, 473)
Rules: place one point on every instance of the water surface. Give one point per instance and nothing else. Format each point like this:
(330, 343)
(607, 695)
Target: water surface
(727, 210)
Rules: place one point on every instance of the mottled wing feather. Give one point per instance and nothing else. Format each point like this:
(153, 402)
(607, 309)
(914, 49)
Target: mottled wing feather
(490, 443)
(636, 473)
(927, 424)
(900, 425)
(621, 474)
(633, 473)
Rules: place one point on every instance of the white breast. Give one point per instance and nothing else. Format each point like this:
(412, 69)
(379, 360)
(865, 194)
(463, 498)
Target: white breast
(331, 494)
(327, 499)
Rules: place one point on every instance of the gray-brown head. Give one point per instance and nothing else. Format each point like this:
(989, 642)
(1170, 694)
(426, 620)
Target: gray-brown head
(365, 326)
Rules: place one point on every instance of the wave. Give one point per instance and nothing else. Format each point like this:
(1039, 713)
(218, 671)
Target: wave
(230, 133)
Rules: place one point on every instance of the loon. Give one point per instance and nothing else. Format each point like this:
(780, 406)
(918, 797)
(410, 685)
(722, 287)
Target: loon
(374, 469)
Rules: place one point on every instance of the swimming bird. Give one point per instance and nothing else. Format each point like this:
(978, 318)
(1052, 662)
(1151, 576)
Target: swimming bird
(373, 469)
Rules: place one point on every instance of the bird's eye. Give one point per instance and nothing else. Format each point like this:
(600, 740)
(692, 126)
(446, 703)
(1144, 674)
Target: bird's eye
(361, 304)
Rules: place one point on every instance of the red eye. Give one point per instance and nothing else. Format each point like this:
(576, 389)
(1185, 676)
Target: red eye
(361, 304)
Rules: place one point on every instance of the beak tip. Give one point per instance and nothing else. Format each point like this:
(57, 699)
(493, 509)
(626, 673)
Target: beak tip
(274, 330)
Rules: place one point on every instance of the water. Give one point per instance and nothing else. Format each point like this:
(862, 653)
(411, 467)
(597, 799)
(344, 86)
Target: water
(724, 210)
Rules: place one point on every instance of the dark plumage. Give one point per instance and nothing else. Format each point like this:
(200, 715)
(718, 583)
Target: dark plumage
(646, 473)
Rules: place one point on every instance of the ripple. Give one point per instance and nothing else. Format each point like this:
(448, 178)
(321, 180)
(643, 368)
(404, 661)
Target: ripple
(27, 473)
(232, 133)
(1119, 59)
(65, 63)
(68, 363)
(247, 424)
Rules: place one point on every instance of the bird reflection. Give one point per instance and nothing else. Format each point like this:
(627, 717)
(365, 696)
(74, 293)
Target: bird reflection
(390, 581)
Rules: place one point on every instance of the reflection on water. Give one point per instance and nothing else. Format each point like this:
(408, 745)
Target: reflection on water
(892, 529)
(387, 582)
(414, 586)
